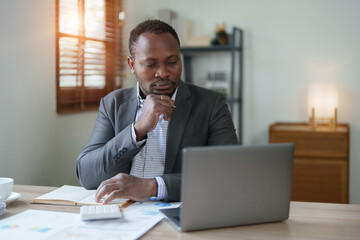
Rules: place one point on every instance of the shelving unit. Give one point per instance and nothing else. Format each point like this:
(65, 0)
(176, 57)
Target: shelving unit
(235, 49)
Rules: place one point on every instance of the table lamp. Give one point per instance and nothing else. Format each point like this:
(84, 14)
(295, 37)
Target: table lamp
(323, 104)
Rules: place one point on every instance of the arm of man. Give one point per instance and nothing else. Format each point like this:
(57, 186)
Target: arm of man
(106, 154)
(124, 185)
(102, 163)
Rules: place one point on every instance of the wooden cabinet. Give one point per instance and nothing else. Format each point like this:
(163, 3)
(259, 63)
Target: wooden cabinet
(321, 164)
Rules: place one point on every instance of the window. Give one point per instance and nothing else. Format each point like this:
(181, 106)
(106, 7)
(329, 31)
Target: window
(88, 52)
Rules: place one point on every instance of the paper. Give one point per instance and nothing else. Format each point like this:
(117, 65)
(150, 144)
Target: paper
(72, 195)
(36, 224)
(90, 200)
(69, 193)
(137, 219)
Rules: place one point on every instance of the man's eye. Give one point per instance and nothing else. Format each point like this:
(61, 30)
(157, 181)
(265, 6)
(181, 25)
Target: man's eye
(150, 65)
(172, 62)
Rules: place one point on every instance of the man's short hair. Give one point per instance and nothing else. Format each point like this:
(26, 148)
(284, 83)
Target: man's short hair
(151, 26)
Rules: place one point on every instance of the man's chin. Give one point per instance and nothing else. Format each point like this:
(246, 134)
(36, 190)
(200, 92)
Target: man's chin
(169, 92)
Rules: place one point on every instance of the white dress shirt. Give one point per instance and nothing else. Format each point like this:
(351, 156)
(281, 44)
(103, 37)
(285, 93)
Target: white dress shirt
(150, 161)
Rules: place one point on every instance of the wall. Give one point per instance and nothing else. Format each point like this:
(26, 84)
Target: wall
(288, 45)
(37, 146)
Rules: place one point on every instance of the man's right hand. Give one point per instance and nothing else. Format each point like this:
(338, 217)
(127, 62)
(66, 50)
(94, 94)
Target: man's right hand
(154, 106)
(126, 186)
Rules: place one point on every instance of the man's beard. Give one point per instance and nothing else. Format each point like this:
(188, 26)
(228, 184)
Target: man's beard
(161, 82)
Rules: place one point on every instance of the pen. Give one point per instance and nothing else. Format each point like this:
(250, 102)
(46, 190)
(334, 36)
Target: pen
(127, 203)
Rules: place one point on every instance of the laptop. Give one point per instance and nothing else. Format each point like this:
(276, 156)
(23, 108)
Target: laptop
(234, 185)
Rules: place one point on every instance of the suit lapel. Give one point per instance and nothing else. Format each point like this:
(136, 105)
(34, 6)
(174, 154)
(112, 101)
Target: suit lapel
(127, 110)
(177, 125)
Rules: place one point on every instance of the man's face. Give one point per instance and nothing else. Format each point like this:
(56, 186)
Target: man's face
(157, 64)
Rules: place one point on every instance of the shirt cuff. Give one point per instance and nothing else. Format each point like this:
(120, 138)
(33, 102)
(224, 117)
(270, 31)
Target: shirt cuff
(133, 135)
(162, 191)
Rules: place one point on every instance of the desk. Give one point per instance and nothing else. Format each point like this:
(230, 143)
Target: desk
(307, 221)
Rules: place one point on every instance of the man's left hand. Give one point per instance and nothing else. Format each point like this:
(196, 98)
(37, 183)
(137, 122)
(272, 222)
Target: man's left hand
(126, 186)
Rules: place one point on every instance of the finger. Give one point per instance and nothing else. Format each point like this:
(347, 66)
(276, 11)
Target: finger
(113, 195)
(103, 183)
(166, 101)
(167, 104)
(168, 114)
(161, 99)
(165, 107)
(112, 180)
(105, 189)
(99, 189)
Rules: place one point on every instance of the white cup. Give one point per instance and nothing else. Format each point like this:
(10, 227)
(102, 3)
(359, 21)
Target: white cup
(6, 186)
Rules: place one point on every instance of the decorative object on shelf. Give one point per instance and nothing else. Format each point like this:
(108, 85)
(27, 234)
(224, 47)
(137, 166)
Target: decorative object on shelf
(217, 81)
(194, 41)
(323, 102)
(221, 37)
(169, 16)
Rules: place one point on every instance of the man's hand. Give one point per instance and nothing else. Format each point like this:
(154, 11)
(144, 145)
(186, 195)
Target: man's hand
(154, 106)
(126, 186)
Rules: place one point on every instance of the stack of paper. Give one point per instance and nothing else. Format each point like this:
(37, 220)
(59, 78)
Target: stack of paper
(137, 219)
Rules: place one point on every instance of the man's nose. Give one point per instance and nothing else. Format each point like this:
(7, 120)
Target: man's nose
(162, 71)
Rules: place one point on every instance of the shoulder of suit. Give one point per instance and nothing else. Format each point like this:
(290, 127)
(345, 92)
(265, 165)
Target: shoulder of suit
(122, 93)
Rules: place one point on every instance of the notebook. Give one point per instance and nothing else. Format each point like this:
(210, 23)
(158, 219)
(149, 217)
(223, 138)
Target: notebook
(234, 185)
(75, 195)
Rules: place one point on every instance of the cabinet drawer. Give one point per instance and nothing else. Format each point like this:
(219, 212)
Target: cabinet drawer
(314, 144)
(316, 180)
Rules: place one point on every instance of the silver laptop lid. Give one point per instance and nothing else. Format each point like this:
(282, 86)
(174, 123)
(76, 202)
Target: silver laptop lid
(235, 185)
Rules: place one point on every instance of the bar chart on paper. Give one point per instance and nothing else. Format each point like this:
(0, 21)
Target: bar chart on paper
(35, 224)
(137, 219)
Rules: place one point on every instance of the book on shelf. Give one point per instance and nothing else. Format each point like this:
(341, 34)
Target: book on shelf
(74, 195)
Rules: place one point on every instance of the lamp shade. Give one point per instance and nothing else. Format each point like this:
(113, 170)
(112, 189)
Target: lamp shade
(324, 98)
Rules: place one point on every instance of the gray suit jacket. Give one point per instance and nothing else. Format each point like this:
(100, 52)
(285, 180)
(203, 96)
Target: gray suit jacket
(201, 118)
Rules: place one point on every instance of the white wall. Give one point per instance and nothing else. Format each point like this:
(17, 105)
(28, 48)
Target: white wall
(136, 12)
(288, 44)
(37, 146)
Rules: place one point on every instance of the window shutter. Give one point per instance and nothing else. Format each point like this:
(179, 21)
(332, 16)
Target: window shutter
(88, 45)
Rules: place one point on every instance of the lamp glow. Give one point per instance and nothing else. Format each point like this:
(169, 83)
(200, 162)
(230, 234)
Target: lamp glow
(323, 102)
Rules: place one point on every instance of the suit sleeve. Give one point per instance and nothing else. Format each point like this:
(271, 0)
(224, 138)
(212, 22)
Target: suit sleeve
(106, 154)
(173, 186)
(221, 126)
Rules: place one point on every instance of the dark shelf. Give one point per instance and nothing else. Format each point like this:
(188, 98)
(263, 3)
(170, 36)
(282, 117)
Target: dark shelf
(187, 50)
(235, 50)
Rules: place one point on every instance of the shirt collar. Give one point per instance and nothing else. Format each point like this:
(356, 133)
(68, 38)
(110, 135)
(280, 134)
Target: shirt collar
(141, 101)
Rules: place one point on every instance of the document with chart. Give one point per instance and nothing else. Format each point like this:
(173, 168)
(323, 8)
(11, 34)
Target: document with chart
(137, 219)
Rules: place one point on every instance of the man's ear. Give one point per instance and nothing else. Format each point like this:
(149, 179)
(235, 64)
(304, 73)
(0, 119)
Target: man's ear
(131, 62)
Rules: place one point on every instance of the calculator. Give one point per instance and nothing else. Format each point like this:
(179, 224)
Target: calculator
(100, 212)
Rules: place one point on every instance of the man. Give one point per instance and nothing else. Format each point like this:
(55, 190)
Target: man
(136, 145)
